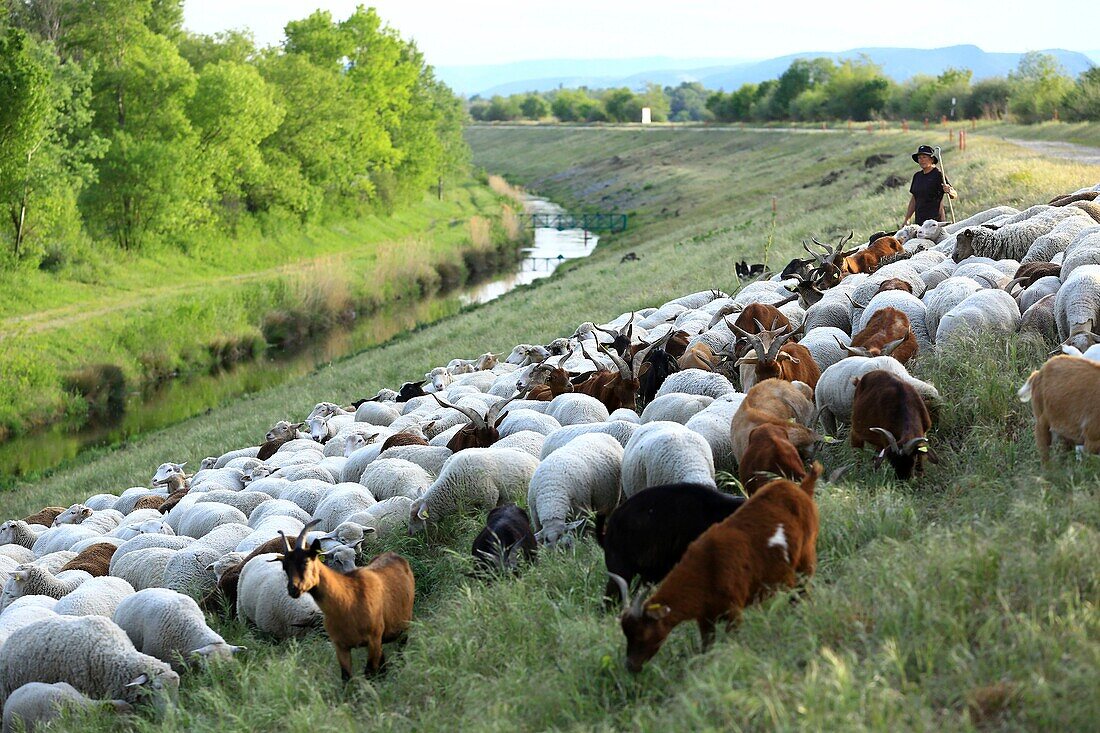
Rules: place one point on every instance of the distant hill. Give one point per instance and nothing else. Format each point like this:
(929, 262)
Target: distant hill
(727, 74)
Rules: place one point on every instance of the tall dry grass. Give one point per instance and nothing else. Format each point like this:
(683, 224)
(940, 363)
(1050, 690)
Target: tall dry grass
(501, 187)
(510, 222)
(481, 232)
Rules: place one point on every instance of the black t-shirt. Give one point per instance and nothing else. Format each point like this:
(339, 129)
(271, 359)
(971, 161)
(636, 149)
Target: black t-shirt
(927, 189)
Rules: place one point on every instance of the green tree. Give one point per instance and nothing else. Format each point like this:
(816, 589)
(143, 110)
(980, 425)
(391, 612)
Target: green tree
(534, 107)
(1083, 101)
(988, 98)
(233, 111)
(622, 105)
(503, 109)
(25, 120)
(1039, 87)
(801, 75)
(688, 102)
(576, 105)
(654, 98)
(232, 45)
(857, 90)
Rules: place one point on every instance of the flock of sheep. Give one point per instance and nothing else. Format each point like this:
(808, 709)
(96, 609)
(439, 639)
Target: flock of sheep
(105, 602)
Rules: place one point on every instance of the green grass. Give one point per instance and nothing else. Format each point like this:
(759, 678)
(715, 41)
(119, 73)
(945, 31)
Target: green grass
(963, 601)
(1081, 133)
(168, 311)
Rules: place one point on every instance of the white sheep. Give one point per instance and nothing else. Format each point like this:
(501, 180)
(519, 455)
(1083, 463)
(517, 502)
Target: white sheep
(621, 430)
(983, 312)
(981, 218)
(249, 452)
(1013, 239)
(145, 542)
(377, 413)
(476, 478)
(1047, 246)
(675, 407)
(358, 461)
(429, 457)
(94, 597)
(697, 381)
(826, 345)
(171, 627)
(1077, 307)
(269, 529)
(92, 654)
(664, 453)
(301, 472)
(201, 518)
(219, 478)
(97, 502)
(575, 409)
(945, 296)
(32, 580)
(386, 516)
(322, 429)
(1040, 318)
(37, 704)
(932, 230)
(101, 521)
(835, 392)
(60, 538)
(24, 611)
(277, 507)
(244, 501)
(582, 476)
(18, 532)
(262, 599)
(389, 477)
(306, 493)
(527, 441)
(1038, 290)
(150, 526)
(1083, 250)
(144, 569)
(17, 552)
(341, 503)
(517, 420)
(188, 571)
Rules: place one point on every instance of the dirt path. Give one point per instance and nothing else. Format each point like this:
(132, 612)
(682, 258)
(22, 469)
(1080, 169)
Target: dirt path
(1070, 151)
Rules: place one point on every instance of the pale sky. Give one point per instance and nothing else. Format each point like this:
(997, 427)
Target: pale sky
(461, 32)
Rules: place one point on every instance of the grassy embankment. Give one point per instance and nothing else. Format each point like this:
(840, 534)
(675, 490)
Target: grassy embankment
(963, 601)
(73, 341)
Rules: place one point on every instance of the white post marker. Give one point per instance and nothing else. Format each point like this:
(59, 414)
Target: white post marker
(943, 169)
(647, 115)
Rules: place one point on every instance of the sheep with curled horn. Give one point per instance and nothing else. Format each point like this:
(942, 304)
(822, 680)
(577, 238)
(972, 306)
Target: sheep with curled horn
(619, 388)
(480, 432)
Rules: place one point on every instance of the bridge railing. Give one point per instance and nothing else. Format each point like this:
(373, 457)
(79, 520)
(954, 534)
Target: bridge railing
(597, 222)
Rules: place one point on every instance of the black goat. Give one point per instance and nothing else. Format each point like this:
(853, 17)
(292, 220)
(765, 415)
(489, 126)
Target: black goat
(507, 531)
(656, 366)
(648, 533)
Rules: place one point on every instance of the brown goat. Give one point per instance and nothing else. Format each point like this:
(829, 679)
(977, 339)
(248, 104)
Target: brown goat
(1063, 398)
(150, 501)
(890, 415)
(698, 356)
(94, 559)
(480, 432)
(282, 432)
(787, 404)
(765, 544)
(894, 283)
(1029, 272)
(775, 359)
(887, 333)
(173, 499)
(45, 515)
(836, 263)
(366, 607)
(770, 454)
(617, 388)
(546, 381)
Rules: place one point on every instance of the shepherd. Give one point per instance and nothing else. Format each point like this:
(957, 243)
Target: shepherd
(928, 187)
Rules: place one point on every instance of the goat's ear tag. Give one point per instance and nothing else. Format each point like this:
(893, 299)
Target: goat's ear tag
(423, 513)
(922, 449)
(657, 611)
(828, 440)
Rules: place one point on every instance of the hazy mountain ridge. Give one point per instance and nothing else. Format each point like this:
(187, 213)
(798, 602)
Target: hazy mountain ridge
(727, 74)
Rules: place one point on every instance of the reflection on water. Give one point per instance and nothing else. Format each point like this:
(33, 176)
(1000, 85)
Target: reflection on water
(551, 248)
(179, 399)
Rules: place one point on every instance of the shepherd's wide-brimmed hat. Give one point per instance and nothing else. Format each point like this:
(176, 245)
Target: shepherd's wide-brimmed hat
(926, 150)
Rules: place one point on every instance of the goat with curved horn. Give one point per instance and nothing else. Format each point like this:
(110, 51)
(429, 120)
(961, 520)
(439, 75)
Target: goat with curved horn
(475, 418)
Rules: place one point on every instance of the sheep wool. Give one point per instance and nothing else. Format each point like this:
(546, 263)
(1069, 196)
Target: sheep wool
(476, 478)
(621, 430)
(91, 653)
(388, 477)
(169, 626)
(665, 453)
(95, 597)
(527, 441)
(582, 476)
(36, 704)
